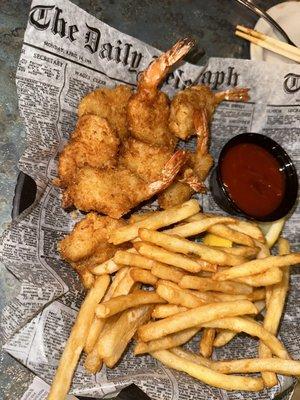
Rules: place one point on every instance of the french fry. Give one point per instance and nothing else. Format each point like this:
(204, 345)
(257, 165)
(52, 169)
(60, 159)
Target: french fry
(194, 317)
(257, 294)
(86, 277)
(199, 217)
(166, 310)
(178, 296)
(248, 365)
(206, 266)
(93, 361)
(219, 296)
(136, 217)
(117, 279)
(107, 267)
(253, 328)
(75, 343)
(98, 323)
(121, 303)
(184, 246)
(155, 221)
(207, 375)
(144, 276)
(206, 342)
(215, 297)
(267, 278)
(248, 228)
(274, 311)
(212, 297)
(167, 257)
(114, 342)
(205, 284)
(126, 285)
(197, 227)
(258, 266)
(94, 332)
(242, 251)
(135, 260)
(231, 234)
(188, 355)
(166, 342)
(167, 272)
(224, 337)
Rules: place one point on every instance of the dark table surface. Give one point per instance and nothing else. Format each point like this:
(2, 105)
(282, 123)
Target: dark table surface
(159, 23)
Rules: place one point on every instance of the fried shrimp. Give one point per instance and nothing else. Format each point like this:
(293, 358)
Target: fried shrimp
(88, 234)
(199, 97)
(87, 245)
(146, 161)
(198, 166)
(115, 191)
(148, 108)
(92, 143)
(110, 104)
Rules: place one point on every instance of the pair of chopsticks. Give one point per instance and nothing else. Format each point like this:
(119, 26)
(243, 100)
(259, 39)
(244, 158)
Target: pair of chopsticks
(269, 43)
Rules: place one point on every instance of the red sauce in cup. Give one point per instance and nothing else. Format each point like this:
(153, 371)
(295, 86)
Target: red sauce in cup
(253, 179)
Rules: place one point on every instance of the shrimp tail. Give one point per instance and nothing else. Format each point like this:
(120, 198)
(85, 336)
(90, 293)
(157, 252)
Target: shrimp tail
(203, 161)
(160, 67)
(202, 131)
(238, 94)
(169, 172)
(193, 181)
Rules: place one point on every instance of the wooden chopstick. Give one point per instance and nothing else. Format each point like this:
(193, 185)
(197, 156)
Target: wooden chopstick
(269, 43)
(269, 39)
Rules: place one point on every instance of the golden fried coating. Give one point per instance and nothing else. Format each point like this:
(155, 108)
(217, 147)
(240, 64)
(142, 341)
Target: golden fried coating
(174, 195)
(89, 239)
(115, 191)
(198, 98)
(148, 119)
(110, 191)
(146, 161)
(110, 104)
(183, 106)
(202, 165)
(149, 109)
(92, 143)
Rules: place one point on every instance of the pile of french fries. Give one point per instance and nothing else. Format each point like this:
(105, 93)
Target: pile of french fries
(166, 288)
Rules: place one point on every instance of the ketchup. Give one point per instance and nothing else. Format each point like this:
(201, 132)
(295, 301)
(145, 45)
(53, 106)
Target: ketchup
(253, 179)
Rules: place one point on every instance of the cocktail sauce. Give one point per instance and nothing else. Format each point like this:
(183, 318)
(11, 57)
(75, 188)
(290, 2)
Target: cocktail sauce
(253, 179)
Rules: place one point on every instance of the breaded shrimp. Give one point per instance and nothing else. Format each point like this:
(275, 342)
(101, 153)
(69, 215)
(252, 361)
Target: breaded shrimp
(175, 194)
(148, 108)
(198, 166)
(92, 143)
(194, 98)
(145, 160)
(87, 245)
(110, 104)
(88, 235)
(114, 192)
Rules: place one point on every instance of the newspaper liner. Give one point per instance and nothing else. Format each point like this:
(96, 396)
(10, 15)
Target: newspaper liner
(66, 54)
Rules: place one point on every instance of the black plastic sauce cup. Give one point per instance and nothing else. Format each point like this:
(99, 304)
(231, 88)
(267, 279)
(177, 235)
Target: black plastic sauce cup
(219, 190)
